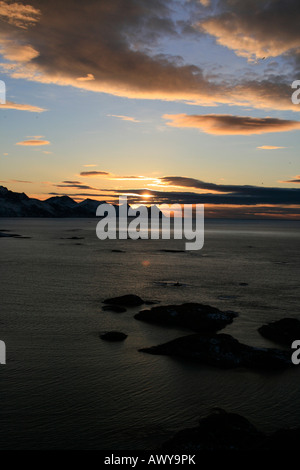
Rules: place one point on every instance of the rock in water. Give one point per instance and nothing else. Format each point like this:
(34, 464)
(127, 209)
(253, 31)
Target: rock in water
(129, 300)
(197, 317)
(72, 238)
(9, 235)
(223, 351)
(113, 336)
(218, 431)
(229, 431)
(114, 308)
(283, 331)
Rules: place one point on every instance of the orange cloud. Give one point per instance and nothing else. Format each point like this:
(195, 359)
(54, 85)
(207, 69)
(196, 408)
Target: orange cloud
(18, 14)
(109, 55)
(269, 147)
(33, 142)
(124, 118)
(226, 124)
(22, 107)
(88, 78)
(255, 29)
(18, 52)
(296, 180)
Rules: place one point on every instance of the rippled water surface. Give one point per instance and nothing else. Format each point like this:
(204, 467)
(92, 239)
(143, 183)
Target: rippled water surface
(63, 387)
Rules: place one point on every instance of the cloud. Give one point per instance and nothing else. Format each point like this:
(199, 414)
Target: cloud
(18, 14)
(17, 52)
(124, 118)
(71, 182)
(121, 177)
(79, 194)
(186, 182)
(296, 180)
(22, 107)
(233, 201)
(88, 78)
(94, 173)
(114, 53)
(74, 184)
(33, 142)
(228, 195)
(269, 147)
(256, 28)
(252, 212)
(21, 181)
(226, 124)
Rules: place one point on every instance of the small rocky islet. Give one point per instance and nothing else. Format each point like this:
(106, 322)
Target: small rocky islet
(114, 308)
(194, 316)
(71, 238)
(206, 346)
(9, 235)
(113, 336)
(4, 234)
(129, 300)
(222, 351)
(283, 331)
(221, 430)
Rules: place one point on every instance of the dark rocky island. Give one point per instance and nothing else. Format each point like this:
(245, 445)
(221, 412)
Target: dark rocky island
(172, 251)
(283, 331)
(9, 235)
(113, 336)
(197, 317)
(223, 351)
(114, 308)
(129, 300)
(229, 431)
(3, 234)
(72, 238)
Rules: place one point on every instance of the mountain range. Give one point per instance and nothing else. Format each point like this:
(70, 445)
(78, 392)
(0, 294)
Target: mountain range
(14, 204)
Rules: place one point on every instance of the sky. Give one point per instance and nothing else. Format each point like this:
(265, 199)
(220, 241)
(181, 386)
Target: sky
(165, 101)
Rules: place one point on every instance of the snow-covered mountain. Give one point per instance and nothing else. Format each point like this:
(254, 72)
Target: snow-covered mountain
(20, 205)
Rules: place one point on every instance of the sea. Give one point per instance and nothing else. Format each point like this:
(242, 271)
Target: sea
(63, 387)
